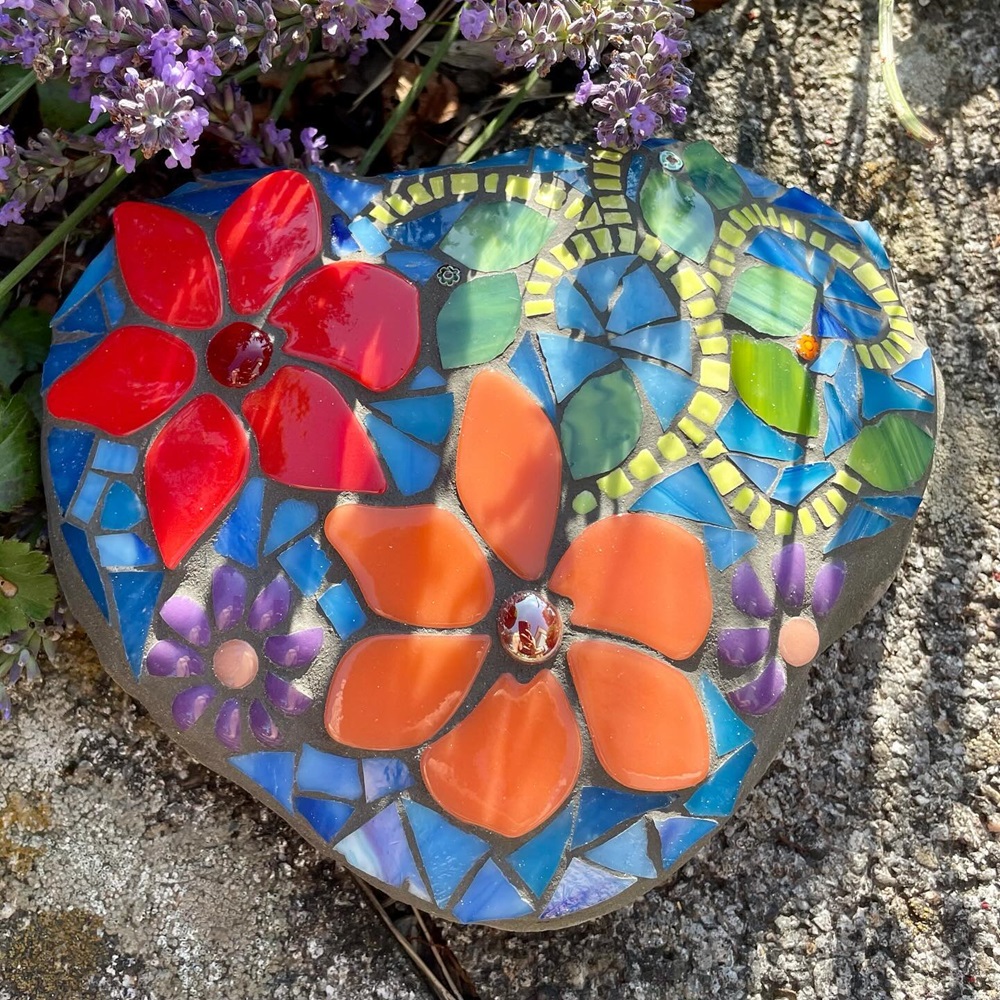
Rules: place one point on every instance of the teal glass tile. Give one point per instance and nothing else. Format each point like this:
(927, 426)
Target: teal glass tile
(570, 362)
(342, 609)
(717, 795)
(306, 563)
(729, 731)
(582, 886)
(328, 774)
(688, 494)
(239, 536)
(447, 852)
(537, 860)
(490, 896)
(670, 342)
(413, 466)
(122, 509)
(326, 816)
(87, 499)
(643, 301)
(678, 834)
(830, 357)
(668, 391)
(111, 456)
(76, 542)
(798, 481)
(124, 549)
(291, 518)
(602, 809)
(427, 418)
(628, 852)
(270, 770)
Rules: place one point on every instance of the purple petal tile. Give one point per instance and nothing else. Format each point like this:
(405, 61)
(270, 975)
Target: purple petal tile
(189, 706)
(228, 726)
(739, 647)
(173, 659)
(789, 570)
(763, 693)
(295, 649)
(187, 618)
(271, 605)
(284, 696)
(229, 597)
(827, 587)
(262, 725)
(749, 594)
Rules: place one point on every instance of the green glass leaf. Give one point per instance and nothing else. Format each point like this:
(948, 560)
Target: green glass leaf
(601, 424)
(892, 454)
(775, 385)
(28, 591)
(713, 175)
(479, 321)
(772, 301)
(678, 215)
(19, 476)
(497, 236)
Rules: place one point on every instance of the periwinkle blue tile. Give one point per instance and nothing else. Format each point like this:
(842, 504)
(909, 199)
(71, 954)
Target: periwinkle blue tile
(87, 499)
(526, 364)
(831, 353)
(537, 860)
(668, 391)
(491, 896)
(688, 494)
(135, 596)
(727, 545)
(350, 194)
(112, 456)
(380, 849)
(879, 394)
(919, 373)
(342, 609)
(570, 362)
(582, 886)
(447, 852)
(271, 770)
(601, 809)
(670, 342)
(122, 508)
(326, 816)
(369, 237)
(290, 518)
(628, 852)
(762, 474)
(383, 775)
(717, 794)
(427, 418)
(413, 466)
(239, 536)
(729, 731)
(798, 481)
(678, 834)
(328, 773)
(124, 549)
(743, 431)
(643, 301)
(573, 312)
(601, 278)
(860, 523)
(306, 563)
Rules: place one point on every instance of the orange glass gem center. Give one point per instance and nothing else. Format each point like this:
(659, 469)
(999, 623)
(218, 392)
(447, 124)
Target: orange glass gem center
(530, 627)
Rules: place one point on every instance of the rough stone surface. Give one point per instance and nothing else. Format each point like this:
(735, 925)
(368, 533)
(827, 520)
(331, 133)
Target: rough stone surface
(863, 866)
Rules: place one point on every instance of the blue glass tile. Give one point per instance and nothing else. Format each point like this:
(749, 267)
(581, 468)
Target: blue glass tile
(114, 305)
(369, 237)
(847, 383)
(86, 500)
(114, 457)
(678, 834)
(271, 771)
(550, 160)
(97, 270)
(727, 545)
(573, 312)
(306, 563)
(491, 897)
(782, 251)
(604, 808)
(63, 356)
(537, 860)
(860, 523)
(528, 367)
(600, 278)
(239, 536)
(843, 286)
(863, 325)
(729, 731)
(426, 378)
(413, 466)
(634, 177)
(513, 158)
(328, 774)
(384, 775)
(125, 549)
(900, 506)
(68, 454)
(291, 518)
(829, 328)
(416, 172)
(759, 187)
(425, 232)
(342, 609)
(570, 361)
(880, 393)
(351, 195)
(741, 430)
(829, 359)
(204, 200)
(761, 474)
(122, 509)
(419, 267)
(717, 795)
(820, 265)
(427, 418)
(447, 852)
(577, 180)
(326, 816)
(841, 426)
(135, 597)
(250, 174)
(628, 852)
(831, 220)
(670, 342)
(583, 886)
(342, 241)
(76, 542)
(643, 301)
(87, 317)
(668, 391)
(874, 244)
(919, 373)
(380, 849)
(798, 481)
(688, 494)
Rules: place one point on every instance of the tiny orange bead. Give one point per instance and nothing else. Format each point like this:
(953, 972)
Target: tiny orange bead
(807, 347)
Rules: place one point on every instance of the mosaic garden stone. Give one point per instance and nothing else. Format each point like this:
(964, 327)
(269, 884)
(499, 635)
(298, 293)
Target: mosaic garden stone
(484, 521)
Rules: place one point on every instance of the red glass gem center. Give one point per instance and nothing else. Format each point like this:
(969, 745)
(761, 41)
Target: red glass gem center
(530, 627)
(238, 354)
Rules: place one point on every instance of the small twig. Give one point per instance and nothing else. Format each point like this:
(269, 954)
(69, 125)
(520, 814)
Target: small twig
(435, 951)
(18, 90)
(887, 50)
(294, 79)
(501, 119)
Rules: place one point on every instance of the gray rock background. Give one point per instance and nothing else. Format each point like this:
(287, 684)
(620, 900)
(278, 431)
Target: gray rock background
(863, 866)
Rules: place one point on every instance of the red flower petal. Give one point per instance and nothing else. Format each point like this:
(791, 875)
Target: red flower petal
(645, 719)
(167, 265)
(194, 467)
(509, 472)
(307, 435)
(362, 319)
(133, 377)
(266, 235)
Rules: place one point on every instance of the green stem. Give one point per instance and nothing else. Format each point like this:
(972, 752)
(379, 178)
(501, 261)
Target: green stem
(897, 98)
(84, 209)
(18, 90)
(294, 79)
(501, 119)
(405, 104)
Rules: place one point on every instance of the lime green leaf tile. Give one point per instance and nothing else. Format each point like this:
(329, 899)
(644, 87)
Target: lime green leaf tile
(479, 321)
(775, 385)
(772, 301)
(713, 175)
(892, 454)
(601, 424)
(497, 236)
(678, 215)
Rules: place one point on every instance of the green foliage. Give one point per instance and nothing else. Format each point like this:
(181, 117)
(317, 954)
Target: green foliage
(27, 587)
(58, 109)
(19, 464)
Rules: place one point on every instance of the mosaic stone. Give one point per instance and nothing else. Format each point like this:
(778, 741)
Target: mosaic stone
(485, 522)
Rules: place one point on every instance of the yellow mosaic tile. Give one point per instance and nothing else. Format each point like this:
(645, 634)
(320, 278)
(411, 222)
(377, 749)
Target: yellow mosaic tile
(878, 356)
(894, 310)
(743, 499)
(491, 183)
(726, 254)
(540, 307)
(786, 224)
(726, 477)
(563, 255)
(800, 230)
(714, 345)
(465, 183)
(709, 328)
(602, 240)
(705, 407)
(687, 426)
(648, 247)
(537, 287)
(721, 267)
(584, 248)
(617, 218)
(761, 514)
(740, 219)
(547, 268)
(550, 195)
(902, 341)
(614, 201)
(903, 326)
(713, 282)
(842, 255)
(688, 283)
(607, 183)
(869, 276)
(893, 351)
(784, 522)
(700, 308)
(837, 501)
(437, 186)
(667, 261)
(585, 502)
(518, 188)
(772, 218)
(626, 240)
(730, 234)
(574, 208)
(824, 513)
(381, 214)
(863, 356)
(818, 240)
(671, 447)
(419, 195)
(399, 204)
(714, 374)
(713, 449)
(644, 466)
(615, 484)
(847, 481)
(885, 296)
(807, 521)
(592, 218)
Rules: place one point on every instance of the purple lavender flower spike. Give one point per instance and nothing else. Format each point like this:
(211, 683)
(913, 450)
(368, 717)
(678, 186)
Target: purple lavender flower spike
(172, 659)
(827, 587)
(271, 606)
(262, 725)
(739, 647)
(228, 726)
(189, 706)
(229, 597)
(295, 649)
(763, 693)
(749, 594)
(789, 570)
(284, 696)
(187, 618)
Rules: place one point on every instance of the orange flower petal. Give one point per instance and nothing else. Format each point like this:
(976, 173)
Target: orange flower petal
(395, 691)
(645, 719)
(417, 565)
(512, 762)
(509, 472)
(641, 576)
